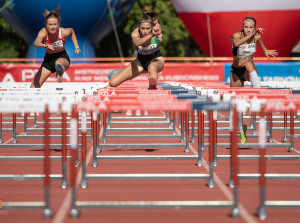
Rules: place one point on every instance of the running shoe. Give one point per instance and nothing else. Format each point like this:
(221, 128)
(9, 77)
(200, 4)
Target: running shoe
(59, 72)
(243, 135)
(112, 73)
(152, 83)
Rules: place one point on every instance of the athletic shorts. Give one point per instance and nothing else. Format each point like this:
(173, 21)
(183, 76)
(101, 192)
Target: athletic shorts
(145, 60)
(239, 71)
(50, 59)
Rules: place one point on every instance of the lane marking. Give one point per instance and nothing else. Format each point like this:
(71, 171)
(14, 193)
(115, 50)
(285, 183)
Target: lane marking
(243, 211)
(66, 204)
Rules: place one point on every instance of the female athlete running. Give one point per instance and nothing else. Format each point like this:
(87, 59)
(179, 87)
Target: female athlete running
(149, 59)
(243, 68)
(52, 38)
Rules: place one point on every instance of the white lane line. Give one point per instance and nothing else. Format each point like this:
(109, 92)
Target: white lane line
(297, 151)
(66, 204)
(243, 212)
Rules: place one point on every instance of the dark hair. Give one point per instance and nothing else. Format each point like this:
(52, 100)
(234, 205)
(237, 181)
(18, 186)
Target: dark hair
(146, 19)
(150, 13)
(54, 13)
(250, 18)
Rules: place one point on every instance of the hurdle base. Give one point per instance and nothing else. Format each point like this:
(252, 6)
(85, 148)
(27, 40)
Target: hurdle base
(235, 212)
(74, 213)
(64, 184)
(291, 149)
(84, 184)
(95, 163)
(261, 213)
(48, 213)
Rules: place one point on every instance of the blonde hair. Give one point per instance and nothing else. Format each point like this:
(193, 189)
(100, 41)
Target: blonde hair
(54, 13)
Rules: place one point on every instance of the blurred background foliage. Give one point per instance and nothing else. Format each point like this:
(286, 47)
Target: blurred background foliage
(176, 39)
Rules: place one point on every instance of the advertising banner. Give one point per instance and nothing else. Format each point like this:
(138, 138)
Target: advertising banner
(97, 72)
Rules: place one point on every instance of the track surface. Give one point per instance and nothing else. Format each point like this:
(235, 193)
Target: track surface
(147, 190)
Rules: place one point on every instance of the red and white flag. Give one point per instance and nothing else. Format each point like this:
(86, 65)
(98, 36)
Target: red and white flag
(211, 23)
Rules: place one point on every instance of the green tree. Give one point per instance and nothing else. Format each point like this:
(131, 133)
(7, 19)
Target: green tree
(176, 40)
(11, 44)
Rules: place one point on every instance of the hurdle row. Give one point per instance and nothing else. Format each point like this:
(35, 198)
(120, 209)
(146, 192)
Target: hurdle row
(189, 95)
(178, 105)
(202, 109)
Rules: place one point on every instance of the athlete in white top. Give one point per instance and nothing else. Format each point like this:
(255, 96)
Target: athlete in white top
(243, 68)
(243, 49)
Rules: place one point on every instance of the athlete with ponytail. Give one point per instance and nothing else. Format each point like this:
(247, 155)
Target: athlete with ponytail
(52, 38)
(243, 68)
(149, 59)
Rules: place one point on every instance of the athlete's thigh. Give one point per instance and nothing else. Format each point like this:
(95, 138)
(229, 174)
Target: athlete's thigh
(235, 81)
(40, 77)
(246, 75)
(157, 64)
(136, 69)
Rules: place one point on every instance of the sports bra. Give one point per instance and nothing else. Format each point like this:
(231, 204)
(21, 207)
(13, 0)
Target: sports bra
(244, 51)
(151, 48)
(59, 43)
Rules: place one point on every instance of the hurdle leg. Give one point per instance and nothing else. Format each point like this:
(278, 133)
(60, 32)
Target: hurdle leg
(262, 166)
(193, 126)
(108, 120)
(179, 122)
(254, 124)
(47, 210)
(25, 124)
(99, 121)
(98, 131)
(187, 149)
(270, 138)
(174, 122)
(92, 127)
(251, 120)
(200, 133)
(292, 128)
(74, 212)
(1, 139)
(202, 126)
(215, 117)
(262, 214)
(84, 182)
(95, 162)
(35, 120)
(285, 126)
(211, 151)
(170, 119)
(64, 183)
(268, 124)
(104, 127)
(182, 127)
(234, 160)
(15, 140)
(77, 150)
(74, 146)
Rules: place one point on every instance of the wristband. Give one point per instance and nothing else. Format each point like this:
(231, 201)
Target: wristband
(77, 48)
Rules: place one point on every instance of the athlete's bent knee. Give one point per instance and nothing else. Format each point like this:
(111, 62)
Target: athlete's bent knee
(249, 67)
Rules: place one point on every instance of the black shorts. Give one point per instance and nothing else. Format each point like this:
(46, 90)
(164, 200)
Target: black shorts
(50, 59)
(145, 60)
(239, 71)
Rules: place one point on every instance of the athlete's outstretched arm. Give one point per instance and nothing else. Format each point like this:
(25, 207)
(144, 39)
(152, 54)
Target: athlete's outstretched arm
(70, 32)
(267, 52)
